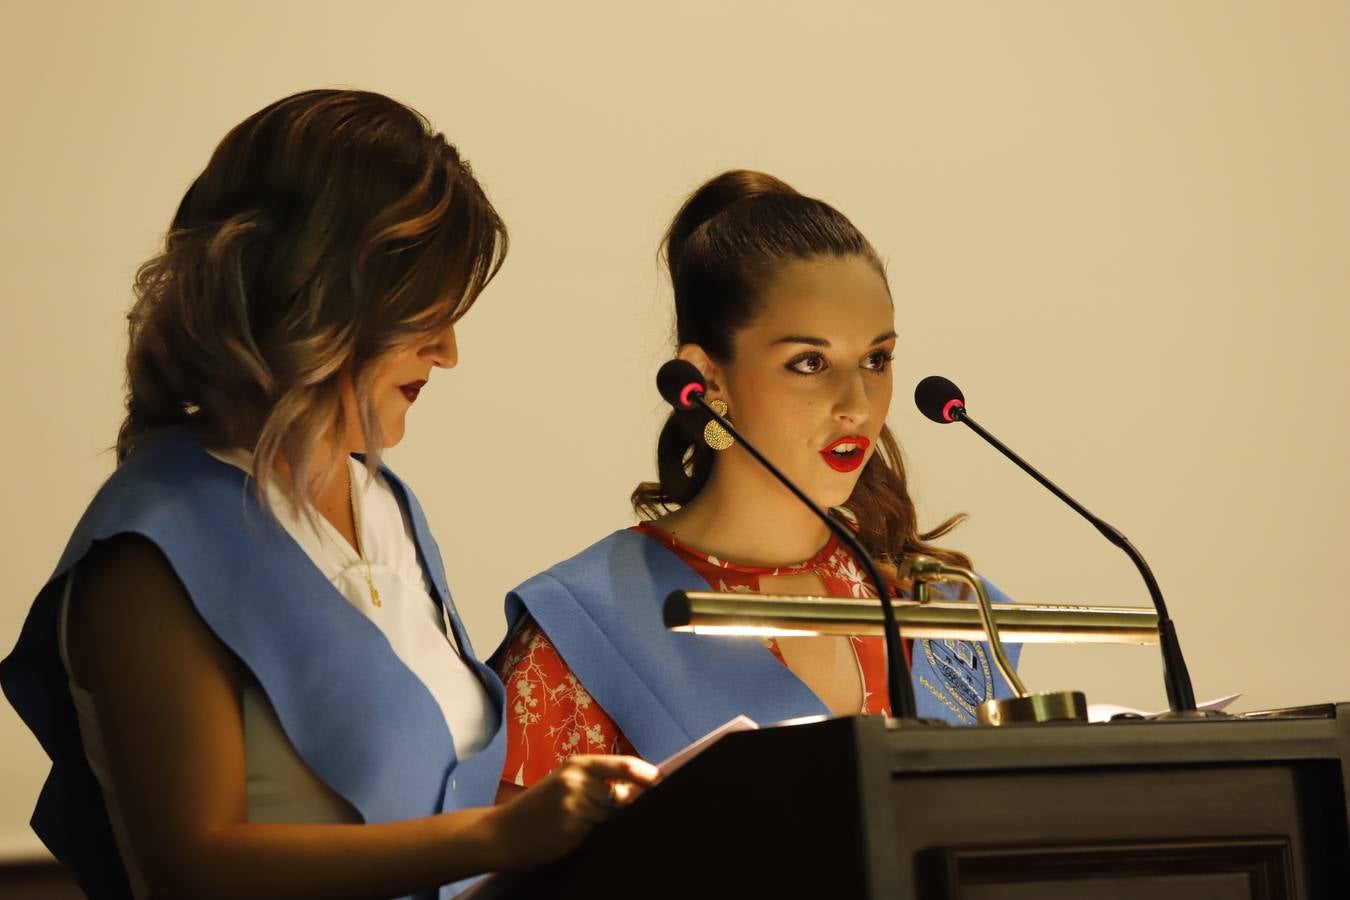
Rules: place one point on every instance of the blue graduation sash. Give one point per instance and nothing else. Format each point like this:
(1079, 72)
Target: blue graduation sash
(357, 716)
(602, 610)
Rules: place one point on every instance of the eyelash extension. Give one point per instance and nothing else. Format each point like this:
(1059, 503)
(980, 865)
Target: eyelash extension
(803, 357)
(886, 360)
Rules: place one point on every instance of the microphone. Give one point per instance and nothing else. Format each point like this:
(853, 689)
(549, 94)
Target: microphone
(943, 402)
(679, 382)
(682, 386)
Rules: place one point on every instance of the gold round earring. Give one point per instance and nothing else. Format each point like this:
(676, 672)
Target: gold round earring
(714, 435)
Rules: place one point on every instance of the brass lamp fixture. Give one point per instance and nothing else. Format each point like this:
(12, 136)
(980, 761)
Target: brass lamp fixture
(708, 612)
(1023, 706)
(777, 615)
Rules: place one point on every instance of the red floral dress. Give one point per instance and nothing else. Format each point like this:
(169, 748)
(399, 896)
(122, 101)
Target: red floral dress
(550, 715)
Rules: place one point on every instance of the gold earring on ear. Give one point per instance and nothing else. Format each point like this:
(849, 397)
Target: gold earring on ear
(714, 435)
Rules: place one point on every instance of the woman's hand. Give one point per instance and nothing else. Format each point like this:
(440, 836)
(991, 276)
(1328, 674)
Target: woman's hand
(551, 818)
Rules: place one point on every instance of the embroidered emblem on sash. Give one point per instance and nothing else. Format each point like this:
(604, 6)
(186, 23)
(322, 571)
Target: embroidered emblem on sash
(963, 670)
(944, 700)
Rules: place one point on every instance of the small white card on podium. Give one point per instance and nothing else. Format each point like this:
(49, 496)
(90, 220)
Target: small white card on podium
(1102, 712)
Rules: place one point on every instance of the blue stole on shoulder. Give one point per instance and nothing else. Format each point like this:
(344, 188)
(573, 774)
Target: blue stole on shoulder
(602, 610)
(358, 717)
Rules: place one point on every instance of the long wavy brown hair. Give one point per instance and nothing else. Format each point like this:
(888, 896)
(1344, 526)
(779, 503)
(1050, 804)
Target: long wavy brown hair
(327, 229)
(725, 244)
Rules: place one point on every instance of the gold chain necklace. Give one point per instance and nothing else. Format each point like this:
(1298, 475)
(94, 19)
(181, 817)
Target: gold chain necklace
(360, 551)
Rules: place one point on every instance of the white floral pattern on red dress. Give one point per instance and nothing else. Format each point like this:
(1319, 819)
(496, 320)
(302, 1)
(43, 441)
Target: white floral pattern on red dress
(551, 716)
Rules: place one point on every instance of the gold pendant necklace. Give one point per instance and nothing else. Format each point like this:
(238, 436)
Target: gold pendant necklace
(360, 551)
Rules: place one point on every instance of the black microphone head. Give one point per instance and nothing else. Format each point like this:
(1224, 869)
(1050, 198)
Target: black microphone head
(678, 381)
(939, 399)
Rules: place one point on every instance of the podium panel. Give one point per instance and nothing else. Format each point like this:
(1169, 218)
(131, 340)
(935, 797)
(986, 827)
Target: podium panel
(857, 808)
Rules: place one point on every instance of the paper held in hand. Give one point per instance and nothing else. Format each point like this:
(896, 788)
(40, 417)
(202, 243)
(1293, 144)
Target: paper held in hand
(689, 751)
(740, 723)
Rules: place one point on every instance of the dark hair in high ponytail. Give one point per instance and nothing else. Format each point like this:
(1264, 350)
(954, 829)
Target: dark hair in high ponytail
(728, 240)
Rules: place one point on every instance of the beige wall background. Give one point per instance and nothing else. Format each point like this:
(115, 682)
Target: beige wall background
(1120, 226)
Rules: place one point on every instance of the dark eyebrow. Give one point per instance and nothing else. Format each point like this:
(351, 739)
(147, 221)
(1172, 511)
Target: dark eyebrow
(821, 342)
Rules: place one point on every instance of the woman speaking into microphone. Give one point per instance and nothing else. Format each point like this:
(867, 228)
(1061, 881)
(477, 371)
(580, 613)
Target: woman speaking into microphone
(784, 308)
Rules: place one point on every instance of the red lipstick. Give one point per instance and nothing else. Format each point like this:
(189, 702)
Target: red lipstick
(847, 453)
(412, 389)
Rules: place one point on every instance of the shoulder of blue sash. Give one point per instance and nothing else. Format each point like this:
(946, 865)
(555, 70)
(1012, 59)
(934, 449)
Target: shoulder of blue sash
(202, 515)
(602, 609)
(617, 583)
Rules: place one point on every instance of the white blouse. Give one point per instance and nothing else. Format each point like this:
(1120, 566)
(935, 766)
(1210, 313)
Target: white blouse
(281, 788)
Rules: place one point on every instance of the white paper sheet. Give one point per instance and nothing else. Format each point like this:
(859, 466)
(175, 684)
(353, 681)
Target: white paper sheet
(1102, 712)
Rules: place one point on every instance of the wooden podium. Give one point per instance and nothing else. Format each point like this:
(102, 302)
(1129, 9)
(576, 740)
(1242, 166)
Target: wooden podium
(852, 808)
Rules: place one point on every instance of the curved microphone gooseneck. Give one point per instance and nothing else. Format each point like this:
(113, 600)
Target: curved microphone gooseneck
(681, 384)
(942, 401)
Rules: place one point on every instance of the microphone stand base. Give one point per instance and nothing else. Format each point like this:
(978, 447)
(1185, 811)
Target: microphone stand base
(1056, 706)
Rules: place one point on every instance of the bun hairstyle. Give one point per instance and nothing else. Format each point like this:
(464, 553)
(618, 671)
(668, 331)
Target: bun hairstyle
(327, 229)
(726, 243)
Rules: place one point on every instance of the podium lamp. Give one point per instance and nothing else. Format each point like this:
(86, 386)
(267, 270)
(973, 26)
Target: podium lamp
(769, 615)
